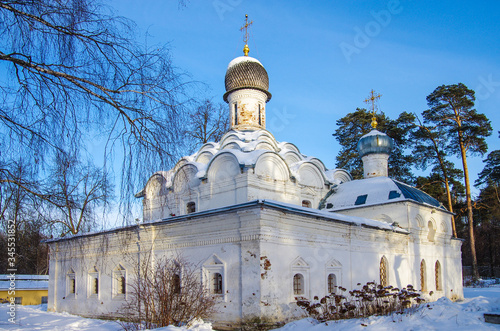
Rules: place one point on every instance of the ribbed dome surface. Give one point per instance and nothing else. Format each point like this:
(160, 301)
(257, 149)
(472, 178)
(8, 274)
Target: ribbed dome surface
(375, 142)
(246, 72)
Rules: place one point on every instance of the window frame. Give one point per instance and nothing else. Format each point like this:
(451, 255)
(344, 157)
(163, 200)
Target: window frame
(214, 265)
(71, 284)
(300, 266)
(190, 207)
(438, 274)
(384, 271)
(216, 285)
(119, 283)
(334, 267)
(298, 282)
(93, 283)
(423, 276)
(329, 287)
(431, 231)
(176, 284)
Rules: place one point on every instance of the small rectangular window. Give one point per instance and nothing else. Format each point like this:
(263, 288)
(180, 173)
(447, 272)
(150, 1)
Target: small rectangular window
(235, 113)
(361, 200)
(45, 299)
(394, 195)
(18, 300)
(122, 288)
(71, 283)
(176, 284)
(190, 207)
(260, 121)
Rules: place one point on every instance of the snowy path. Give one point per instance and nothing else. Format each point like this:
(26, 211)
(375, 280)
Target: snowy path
(440, 315)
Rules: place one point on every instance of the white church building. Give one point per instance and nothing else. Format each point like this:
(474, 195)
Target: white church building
(266, 223)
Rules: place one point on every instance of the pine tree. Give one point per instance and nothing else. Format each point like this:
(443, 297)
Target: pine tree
(451, 108)
(429, 149)
(491, 171)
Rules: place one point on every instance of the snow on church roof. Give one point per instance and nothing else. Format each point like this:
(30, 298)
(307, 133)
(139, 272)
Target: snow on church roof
(355, 220)
(322, 214)
(247, 147)
(376, 190)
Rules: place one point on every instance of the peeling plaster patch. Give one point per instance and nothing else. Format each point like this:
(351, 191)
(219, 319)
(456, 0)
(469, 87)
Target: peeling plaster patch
(266, 265)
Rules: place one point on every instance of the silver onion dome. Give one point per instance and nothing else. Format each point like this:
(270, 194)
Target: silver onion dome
(375, 142)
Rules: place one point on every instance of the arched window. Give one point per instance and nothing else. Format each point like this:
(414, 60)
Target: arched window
(190, 207)
(432, 231)
(217, 283)
(306, 203)
(423, 282)
(438, 276)
(72, 286)
(119, 281)
(93, 288)
(298, 284)
(176, 284)
(332, 283)
(384, 277)
(123, 286)
(213, 275)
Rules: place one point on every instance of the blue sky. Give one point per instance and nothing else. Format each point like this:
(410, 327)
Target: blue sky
(324, 57)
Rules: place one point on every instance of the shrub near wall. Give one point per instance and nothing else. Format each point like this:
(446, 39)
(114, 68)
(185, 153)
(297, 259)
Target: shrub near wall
(370, 299)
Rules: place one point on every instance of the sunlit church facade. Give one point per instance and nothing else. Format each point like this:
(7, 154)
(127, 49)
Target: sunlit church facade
(265, 224)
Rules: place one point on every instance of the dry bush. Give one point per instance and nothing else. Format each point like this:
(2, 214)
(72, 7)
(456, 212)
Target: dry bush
(370, 299)
(167, 292)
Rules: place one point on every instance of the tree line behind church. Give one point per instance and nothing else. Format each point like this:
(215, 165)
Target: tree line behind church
(432, 142)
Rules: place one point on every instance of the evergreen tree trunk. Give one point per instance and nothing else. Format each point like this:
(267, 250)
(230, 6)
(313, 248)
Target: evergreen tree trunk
(450, 206)
(470, 219)
(450, 107)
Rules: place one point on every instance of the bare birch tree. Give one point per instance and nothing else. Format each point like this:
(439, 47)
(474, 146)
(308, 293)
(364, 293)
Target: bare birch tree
(73, 75)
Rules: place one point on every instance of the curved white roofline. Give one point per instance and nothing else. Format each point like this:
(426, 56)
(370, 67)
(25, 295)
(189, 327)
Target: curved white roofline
(240, 59)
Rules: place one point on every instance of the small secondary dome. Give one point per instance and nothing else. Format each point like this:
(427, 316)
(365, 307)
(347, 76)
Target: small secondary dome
(246, 72)
(375, 142)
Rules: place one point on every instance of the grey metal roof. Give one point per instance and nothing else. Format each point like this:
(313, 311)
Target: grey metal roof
(415, 194)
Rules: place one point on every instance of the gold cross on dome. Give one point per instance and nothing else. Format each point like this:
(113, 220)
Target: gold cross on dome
(245, 37)
(373, 98)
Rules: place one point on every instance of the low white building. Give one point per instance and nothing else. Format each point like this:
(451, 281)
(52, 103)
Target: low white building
(266, 223)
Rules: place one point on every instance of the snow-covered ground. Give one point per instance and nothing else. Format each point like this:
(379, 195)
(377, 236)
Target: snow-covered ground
(440, 315)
